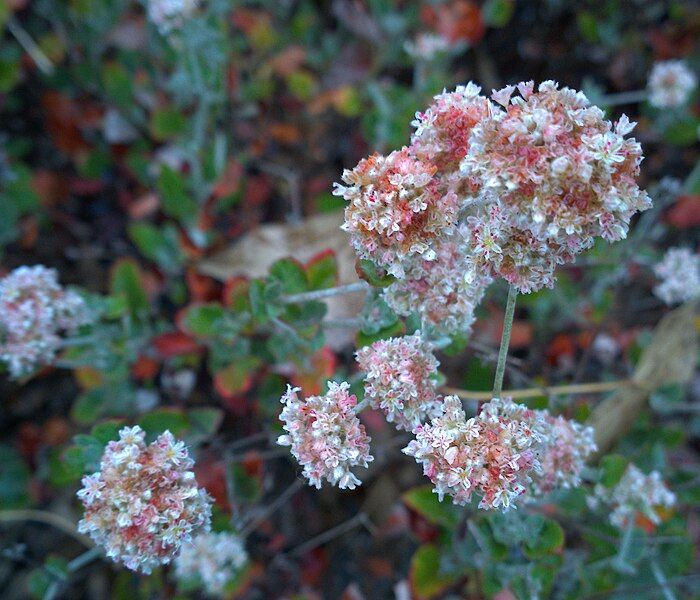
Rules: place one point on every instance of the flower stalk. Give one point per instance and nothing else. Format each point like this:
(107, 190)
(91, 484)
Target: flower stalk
(505, 341)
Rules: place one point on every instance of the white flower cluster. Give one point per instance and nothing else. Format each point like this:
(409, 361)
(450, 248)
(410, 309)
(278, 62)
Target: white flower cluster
(143, 504)
(635, 495)
(670, 84)
(679, 272)
(212, 559)
(325, 435)
(34, 310)
(401, 379)
(167, 15)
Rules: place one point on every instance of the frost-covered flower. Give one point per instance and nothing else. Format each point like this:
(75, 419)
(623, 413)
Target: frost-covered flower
(444, 292)
(679, 272)
(568, 446)
(397, 209)
(167, 15)
(401, 379)
(556, 174)
(636, 495)
(213, 559)
(34, 310)
(426, 46)
(492, 455)
(670, 84)
(325, 435)
(143, 504)
(443, 129)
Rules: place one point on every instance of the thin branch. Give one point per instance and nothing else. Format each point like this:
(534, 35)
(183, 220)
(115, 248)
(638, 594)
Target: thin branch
(272, 507)
(41, 516)
(557, 390)
(332, 533)
(505, 341)
(632, 97)
(30, 46)
(349, 288)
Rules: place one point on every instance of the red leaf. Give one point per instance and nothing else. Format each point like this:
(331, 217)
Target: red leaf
(175, 343)
(685, 213)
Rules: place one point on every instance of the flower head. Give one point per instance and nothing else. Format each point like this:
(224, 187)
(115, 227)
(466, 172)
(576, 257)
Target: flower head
(397, 209)
(213, 559)
(143, 504)
(325, 435)
(170, 14)
(636, 495)
(444, 128)
(679, 272)
(401, 379)
(34, 310)
(557, 173)
(444, 292)
(492, 455)
(569, 445)
(670, 84)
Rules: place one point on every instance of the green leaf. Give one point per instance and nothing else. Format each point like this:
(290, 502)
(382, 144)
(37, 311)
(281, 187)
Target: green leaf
(117, 84)
(167, 123)
(497, 13)
(156, 422)
(14, 477)
(125, 282)
(691, 185)
(203, 319)
(682, 132)
(205, 421)
(175, 201)
(107, 431)
(363, 339)
(290, 274)
(374, 275)
(89, 406)
(322, 271)
(427, 505)
(548, 540)
(612, 468)
(425, 576)
(159, 245)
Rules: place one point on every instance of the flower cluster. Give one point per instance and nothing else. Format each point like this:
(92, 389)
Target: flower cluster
(401, 379)
(143, 504)
(426, 46)
(167, 15)
(679, 272)
(493, 454)
(558, 175)
(214, 559)
(443, 292)
(670, 84)
(34, 310)
(397, 209)
(325, 435)
(533, 177)
(636, 496)
(443, 130)
(569, 445)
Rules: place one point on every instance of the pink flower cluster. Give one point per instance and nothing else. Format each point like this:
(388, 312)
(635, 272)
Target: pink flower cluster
(443, 292)
(636, 494)
(558, 174)
(679, 272)
(325, 435)
(569, 446)
(212, 559)
(507, 451)
(401, 379)
(397, 209)
(143, 504)
(671, 83)
(534, 178)
(492, 455)
(34, 310)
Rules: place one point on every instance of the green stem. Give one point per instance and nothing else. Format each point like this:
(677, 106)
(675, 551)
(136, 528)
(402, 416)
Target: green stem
(662, 581)
(505, 341)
